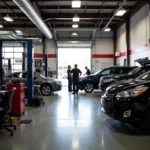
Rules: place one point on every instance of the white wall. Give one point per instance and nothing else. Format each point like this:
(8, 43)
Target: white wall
(140, 34)
(102, 49)
(139, 37)
(121, 44)
(51, 49)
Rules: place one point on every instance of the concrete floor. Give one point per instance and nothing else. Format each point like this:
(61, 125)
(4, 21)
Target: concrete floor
(69, 122)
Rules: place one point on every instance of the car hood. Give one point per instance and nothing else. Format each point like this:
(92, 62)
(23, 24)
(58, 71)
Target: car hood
(125, 85)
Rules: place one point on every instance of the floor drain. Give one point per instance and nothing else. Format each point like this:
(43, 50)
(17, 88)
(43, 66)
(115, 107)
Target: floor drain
(25, 121)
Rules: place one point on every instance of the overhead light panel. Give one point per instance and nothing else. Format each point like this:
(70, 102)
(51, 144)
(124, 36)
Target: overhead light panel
(120, 12)
(74, 34)
(107, 29)
(1, 26)
(75, 26)
(8, 18)
(76, 18)
(19, 32)
(76, 4)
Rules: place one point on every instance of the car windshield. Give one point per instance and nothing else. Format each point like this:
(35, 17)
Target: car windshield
(145, 76)
(134, 71)
(97, 72)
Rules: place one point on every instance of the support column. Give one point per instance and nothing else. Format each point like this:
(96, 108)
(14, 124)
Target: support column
(128, 40)
(30, 72)
(9, 66)
(23, 61)
(1, 63)
(43, 41)
(46, 64)
(115, 45)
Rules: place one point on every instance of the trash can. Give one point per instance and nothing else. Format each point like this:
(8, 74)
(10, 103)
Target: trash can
(18, 100)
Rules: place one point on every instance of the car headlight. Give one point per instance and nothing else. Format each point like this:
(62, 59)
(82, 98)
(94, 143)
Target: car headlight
(108, 80)
(132, 92)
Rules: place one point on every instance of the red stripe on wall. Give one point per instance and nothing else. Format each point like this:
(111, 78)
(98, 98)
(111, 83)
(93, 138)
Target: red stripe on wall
(102, 56)
(41, 56)
(135, 51)
(52, 56)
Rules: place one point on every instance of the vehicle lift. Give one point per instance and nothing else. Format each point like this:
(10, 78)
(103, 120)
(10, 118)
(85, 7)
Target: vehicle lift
(45, 62)
(30, 52)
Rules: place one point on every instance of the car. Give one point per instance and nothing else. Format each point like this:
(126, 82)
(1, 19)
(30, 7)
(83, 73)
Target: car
(91, 82)
(129, 101)
(108, 80)
(47, 85)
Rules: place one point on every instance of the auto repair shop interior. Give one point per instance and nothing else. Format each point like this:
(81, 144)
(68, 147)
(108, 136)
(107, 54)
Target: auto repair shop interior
(46, 106)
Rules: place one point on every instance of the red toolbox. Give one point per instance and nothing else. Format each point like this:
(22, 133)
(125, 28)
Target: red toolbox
(18, 101)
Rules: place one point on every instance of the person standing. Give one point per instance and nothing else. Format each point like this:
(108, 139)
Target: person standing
(69, 79)
(76, 73)
(88, 72)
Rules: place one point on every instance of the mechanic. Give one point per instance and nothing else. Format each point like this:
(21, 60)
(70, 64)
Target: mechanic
(88, 72)
(69, 79)
(76, 73)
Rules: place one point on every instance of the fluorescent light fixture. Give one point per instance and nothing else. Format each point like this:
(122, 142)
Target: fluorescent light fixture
(76, 18)
(1, 26)
(18, 31)
(121, 12)
(75, 26)
(107, 29)
(76, 4)
(8, 18)
(74, 34)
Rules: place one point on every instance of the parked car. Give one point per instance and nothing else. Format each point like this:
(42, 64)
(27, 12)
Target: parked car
(47, 85)
(129, 101)
(91, 82)
(108, 80)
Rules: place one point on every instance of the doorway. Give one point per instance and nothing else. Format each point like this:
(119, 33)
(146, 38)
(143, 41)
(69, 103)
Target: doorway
(72, 56)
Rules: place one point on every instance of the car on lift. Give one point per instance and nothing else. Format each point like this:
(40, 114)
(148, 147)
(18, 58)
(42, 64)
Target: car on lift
(108, 80)
(129, 101)
(46, 85)
(91, 82)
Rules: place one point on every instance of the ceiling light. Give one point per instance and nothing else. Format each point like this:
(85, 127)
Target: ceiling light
(121, 12)
(74, 34)
(1, 26)
(107, 29)
(75, 26)
(8, 18)
(76, 18)
(76, 4)
(19, 32)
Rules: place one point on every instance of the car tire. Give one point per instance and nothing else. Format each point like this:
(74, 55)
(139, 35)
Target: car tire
(46, 90)
(148, 123)
(88, 87)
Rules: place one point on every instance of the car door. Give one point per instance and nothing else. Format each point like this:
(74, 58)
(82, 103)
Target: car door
(106, 72)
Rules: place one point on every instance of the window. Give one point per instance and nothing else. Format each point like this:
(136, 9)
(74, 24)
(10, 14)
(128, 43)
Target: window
(123, 70)
(106, 72)
(16, 75)
(145, 76)
(15, 54)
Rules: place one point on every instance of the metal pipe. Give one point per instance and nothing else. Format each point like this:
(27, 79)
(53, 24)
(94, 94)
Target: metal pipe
(28, 9)
(113, 15)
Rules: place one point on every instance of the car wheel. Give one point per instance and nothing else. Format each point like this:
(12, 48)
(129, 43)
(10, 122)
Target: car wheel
(46, 90)
(148, 123)
(88, 87)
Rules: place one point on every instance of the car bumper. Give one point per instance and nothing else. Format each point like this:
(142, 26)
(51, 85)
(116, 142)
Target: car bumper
(119, 111)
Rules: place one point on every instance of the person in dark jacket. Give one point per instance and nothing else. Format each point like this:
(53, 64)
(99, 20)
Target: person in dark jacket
(69, 79)
(76, 73)
(88, 72)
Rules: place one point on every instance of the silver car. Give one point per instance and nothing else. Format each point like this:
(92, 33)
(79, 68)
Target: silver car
(47, 85)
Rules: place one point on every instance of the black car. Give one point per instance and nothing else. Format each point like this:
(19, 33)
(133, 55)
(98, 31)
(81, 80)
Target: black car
(91, 82)
(129, 101)
(108, 80)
